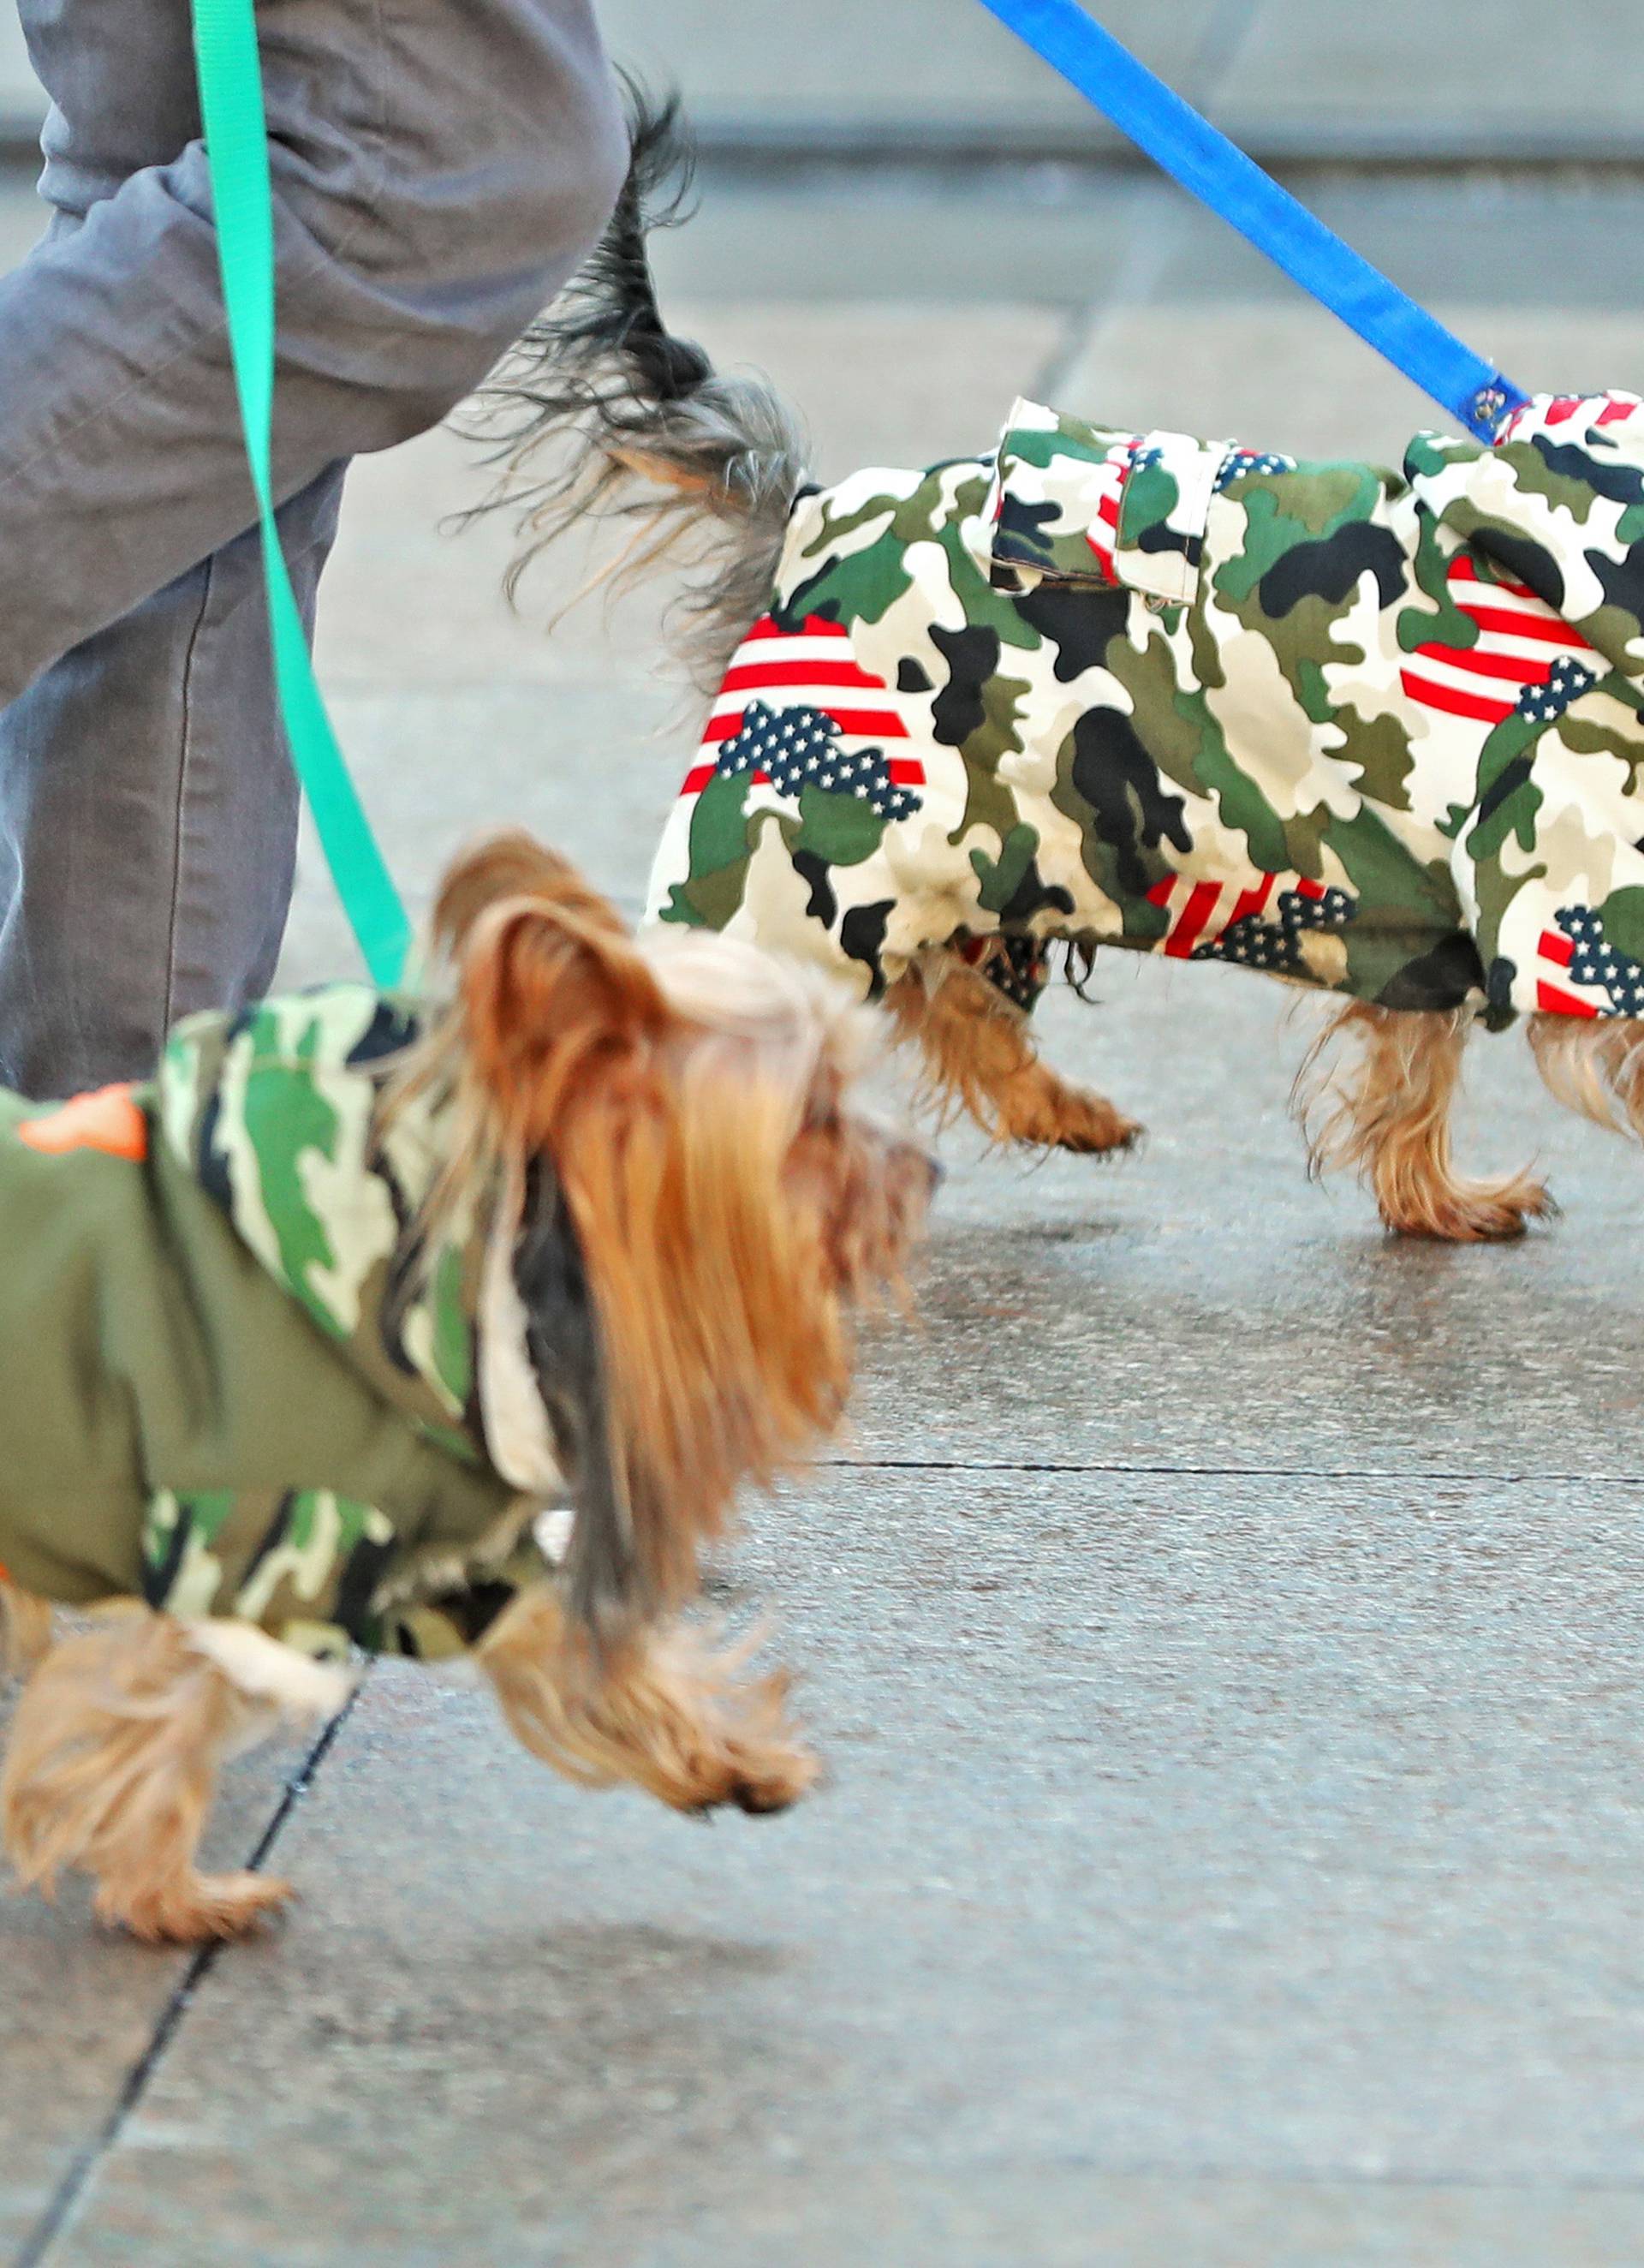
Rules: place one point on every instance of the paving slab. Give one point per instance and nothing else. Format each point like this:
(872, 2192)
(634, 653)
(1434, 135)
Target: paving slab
(881, 73)
(1476, 243)
(1055, 235)
(1293, 377)
(1201, 1305)
(1285, 77)
(1044, 235)
(80, 2009)
(1233, 1840)
(1404, 76)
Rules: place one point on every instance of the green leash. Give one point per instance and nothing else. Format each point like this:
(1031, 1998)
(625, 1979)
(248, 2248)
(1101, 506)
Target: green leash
(237, 150)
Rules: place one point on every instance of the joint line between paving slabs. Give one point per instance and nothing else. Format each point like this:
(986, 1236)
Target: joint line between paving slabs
(71, 2192)
(1152, 215)
(1218, 50)
(1395, 2178)
(1402, 1475)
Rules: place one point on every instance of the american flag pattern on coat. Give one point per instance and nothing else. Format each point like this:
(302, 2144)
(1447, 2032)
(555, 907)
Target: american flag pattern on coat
(1259, 925)
(1526, 659)
(1579, 973)
(796, 708)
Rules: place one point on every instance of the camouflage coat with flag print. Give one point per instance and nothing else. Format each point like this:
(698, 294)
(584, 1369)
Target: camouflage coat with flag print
(1378, 731)
(236, 1384)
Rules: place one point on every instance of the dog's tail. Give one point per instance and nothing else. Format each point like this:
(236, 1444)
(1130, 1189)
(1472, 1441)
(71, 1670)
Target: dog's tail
(705, 466)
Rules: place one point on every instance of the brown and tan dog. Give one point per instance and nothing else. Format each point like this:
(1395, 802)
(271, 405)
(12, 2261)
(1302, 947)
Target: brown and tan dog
(671, 1202)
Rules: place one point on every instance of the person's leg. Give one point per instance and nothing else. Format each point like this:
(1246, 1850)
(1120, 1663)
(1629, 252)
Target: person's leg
(144, 862)
(439, 171)
(147, 809)
(147, 820)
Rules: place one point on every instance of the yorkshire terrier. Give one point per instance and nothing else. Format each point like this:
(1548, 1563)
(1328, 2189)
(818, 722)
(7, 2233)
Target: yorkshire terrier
(307, 1339)
(1370, 731)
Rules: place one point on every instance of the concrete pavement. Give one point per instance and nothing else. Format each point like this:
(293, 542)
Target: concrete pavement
(1222, 1628)
(1289, 79)
(1293, 79)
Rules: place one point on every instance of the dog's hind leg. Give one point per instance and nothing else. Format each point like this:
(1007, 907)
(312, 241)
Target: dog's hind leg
(25, 1630)
(1594, 1066)
(1388, 1120)
(980, 1056)
(111, 1769)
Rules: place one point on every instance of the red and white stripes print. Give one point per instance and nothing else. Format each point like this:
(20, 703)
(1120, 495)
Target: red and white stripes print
(1557, 951)
(1203, 912)
(815, 667)
(1520, 639)
(1103, 537)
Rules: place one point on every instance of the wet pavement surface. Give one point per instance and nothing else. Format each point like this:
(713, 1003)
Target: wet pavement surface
(1222, 1626)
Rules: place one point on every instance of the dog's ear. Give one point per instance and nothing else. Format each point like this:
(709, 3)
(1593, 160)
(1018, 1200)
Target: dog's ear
(554, 999)
(512, 864)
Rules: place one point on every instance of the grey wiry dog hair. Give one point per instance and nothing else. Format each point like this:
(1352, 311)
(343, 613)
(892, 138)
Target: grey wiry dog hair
(599, 411)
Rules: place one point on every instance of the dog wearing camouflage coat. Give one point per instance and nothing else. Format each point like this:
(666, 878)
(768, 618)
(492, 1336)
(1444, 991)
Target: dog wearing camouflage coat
(1375, 732)
(305, 1340)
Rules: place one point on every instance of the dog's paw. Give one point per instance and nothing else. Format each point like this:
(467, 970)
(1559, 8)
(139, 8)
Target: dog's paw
(1098, 1130)
(1043, 1113)
(777, 1782)
(1475, 1212)
(752, 1758)
(196, 1909)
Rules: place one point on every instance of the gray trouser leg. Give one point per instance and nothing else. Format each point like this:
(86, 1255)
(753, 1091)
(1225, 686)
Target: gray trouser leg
(147, 820)
(439, 167)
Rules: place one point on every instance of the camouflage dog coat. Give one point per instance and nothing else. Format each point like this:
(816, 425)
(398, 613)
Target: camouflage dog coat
(236, 1385)
(1372, 731)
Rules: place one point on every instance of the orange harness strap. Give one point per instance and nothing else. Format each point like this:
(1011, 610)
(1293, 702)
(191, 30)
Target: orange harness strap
(109, 1120)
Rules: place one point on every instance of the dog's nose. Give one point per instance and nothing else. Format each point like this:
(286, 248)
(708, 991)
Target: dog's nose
(935, 1173)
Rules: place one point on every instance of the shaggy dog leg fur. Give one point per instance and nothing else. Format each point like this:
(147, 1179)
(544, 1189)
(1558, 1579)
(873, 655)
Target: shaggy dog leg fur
(658, 1707)
(25, 1630)
(1388, 1120)
(1594, 1068)
(111, 1769)
(980, 1056)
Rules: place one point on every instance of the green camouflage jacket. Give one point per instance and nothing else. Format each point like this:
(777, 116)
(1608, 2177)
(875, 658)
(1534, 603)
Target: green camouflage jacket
(1378, 731)
(235, 1385)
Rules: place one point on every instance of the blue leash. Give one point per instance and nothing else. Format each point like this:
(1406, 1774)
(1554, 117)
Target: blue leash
(1216, 171)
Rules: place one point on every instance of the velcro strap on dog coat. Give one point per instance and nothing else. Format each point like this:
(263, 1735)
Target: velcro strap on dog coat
(1088, 504)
